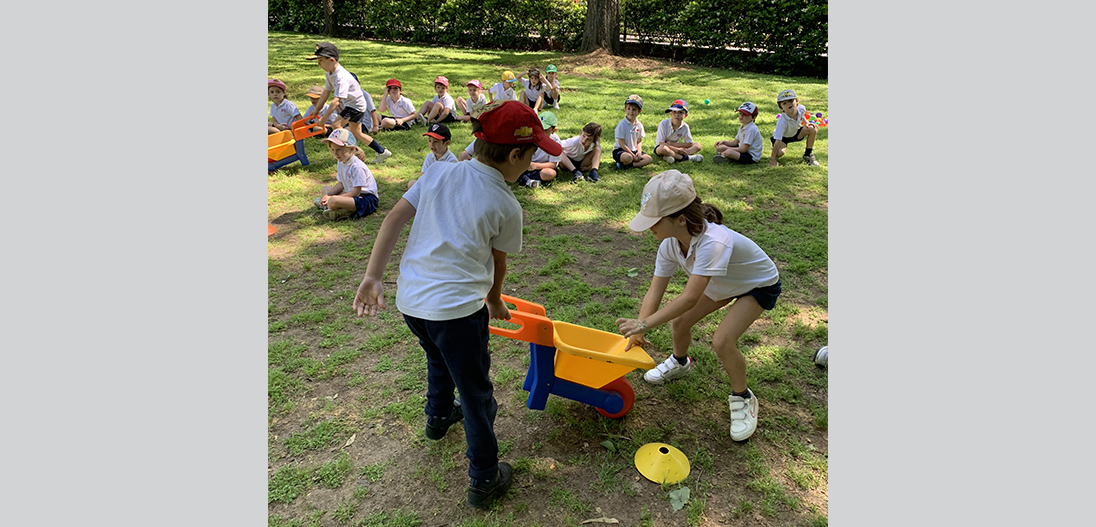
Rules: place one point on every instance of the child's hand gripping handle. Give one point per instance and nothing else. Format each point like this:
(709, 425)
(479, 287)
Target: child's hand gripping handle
(534, 326)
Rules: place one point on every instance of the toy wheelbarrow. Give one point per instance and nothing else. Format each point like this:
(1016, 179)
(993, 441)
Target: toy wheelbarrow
(574, 362)
(287, 146)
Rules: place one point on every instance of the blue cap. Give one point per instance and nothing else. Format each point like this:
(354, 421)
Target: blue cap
(679, 105)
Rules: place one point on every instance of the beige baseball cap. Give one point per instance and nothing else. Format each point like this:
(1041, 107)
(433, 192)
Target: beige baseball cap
(664, 194)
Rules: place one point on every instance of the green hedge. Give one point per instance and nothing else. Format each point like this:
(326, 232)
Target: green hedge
(786, 37)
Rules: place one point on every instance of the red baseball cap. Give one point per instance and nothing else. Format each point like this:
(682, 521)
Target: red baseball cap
(442, 79)
(514, 123)
(475, 83)
(393, 82)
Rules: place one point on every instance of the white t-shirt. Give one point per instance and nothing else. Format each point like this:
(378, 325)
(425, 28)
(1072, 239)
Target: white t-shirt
(282, 113)
(540, 156)
(573, 147)
(342, 85)
(399, 109)
(632, 133)
(501, 94)
(735, 263)
(666, 132)
(532, 93)
(749, 134)
(430, 159)
(787, 127)
(330, 119)
(356, 174)
(472, 105)
(471, 148)
(447, 267)
(447, 102)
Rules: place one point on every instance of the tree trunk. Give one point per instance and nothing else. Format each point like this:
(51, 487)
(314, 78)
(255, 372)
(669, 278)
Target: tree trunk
(602, 29)
(329, 18)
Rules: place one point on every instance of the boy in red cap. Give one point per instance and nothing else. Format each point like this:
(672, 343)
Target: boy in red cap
(347, 97)
(451, 273)
(282, 110)
(440, 109)
(437, 138)
(401, 108)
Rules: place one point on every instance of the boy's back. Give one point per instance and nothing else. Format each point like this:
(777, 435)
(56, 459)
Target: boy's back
(344, 86)
(446, 268)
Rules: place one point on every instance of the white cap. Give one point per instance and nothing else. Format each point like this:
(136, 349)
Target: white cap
(341, 137)
(664, 194)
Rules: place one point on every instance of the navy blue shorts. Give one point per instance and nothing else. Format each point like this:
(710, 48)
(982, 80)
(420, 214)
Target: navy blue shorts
(616, 156)
(448, 118)
(405, 126)
(789, 140)
(745, 158)
(352, 114)
(765, 296)
(365, 204)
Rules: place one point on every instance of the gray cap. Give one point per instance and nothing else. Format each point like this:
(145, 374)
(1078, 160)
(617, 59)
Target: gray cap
(786, 95)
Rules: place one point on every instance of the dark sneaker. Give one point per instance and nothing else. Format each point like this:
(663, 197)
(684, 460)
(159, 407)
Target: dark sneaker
(481, 493)
(619, 166)
(593, 176)
(719, 159)
(810, 160)
(578, 176)
(436, 427)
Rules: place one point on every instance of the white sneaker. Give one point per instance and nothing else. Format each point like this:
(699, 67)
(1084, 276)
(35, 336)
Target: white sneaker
(316, 202)
(669, 370)
(555, 105)
(696, 158)
(382, 156)
(669, 159)
(822, 356)
(743, 416)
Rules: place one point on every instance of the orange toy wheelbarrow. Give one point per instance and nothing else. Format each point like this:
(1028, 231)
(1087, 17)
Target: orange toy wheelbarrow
(287, 146)
(574, 362)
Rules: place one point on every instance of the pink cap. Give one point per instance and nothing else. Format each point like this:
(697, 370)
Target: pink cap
(475, 83)
(275, 82)
(442, 80)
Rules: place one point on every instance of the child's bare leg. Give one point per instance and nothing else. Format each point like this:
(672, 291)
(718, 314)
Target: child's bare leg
(364, 139)
(682, 326)
(547, 174)
(461, 105)
(693, 149)
(809, 132)
(435, 111)
(271, 129)
(642, 160)
(731, 153)
(566, 162)
(778, 152)
(341, 202)
(626, 158)
(388, 123)
(592, 161)
(740, 315)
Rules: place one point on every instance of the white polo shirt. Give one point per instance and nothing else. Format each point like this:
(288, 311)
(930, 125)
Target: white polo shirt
(573, 147)
(342, 85)
(540, 156)
(749, 134)
(282, 113)
(448, 157)
(734, 262)
(447, 266)
(446, 102)
(472, 104)
(356, 174)
(666, 132)
(330, 119)
(532, 93)
(630, 132)
(399, 109)
(501, 94)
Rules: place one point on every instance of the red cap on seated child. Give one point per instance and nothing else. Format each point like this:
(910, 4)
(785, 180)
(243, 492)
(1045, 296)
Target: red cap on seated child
(512, 123)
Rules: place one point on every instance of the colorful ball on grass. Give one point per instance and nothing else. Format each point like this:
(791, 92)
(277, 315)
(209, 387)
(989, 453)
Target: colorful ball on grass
(706, 101)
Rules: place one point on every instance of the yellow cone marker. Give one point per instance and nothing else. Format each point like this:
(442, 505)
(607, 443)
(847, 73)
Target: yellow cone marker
(662, 463)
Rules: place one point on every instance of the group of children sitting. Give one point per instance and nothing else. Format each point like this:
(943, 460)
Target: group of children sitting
(351, 116)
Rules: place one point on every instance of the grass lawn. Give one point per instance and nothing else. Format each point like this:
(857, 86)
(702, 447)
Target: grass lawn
(346, 445)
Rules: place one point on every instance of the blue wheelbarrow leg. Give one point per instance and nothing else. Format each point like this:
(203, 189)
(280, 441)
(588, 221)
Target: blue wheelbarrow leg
(541, 378)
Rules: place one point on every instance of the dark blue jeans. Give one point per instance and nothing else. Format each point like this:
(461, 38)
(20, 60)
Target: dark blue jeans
(457, 357)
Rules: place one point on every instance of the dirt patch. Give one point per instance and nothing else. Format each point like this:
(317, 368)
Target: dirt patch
(644, 67)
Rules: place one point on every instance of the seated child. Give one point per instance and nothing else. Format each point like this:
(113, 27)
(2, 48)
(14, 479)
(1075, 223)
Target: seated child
(551, 96)
(332, 123)
(628, 150)
(476, 100)
(504, 91)
(442, 108)
(347, 98)
(401, 108)
(354, 193)
(542, 167)
(582, 153)
(673, 140)
(533, 94)
(282, 110)
(791, 126)
(437, 137)
(746, 147)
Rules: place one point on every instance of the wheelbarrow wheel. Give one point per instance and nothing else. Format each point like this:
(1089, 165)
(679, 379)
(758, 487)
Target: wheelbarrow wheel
(624, 389)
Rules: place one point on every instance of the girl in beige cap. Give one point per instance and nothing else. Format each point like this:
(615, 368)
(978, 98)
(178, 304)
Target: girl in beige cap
(723, 267)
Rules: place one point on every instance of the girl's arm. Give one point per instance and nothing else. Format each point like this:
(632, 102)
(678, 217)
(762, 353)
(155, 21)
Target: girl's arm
(648, 307)
(496, 308)
(675, 308)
